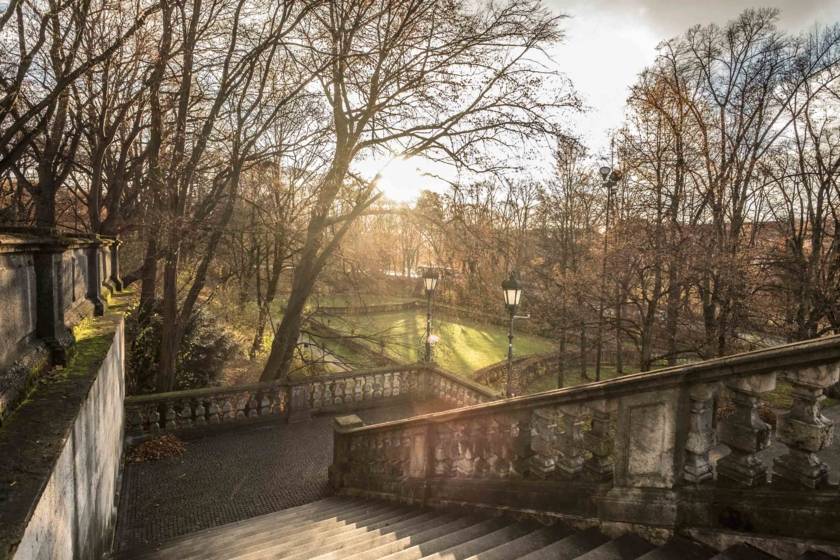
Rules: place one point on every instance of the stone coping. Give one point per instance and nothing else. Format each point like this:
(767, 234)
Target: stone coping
(776, 359)
(29, 242)
(33, 437)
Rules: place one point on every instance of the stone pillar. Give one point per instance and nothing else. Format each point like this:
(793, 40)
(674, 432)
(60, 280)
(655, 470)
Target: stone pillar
(701, 435)
(599, 441)
(49, 279)
(804, 429)
(94, 288)
(744, 432)
(116, 277)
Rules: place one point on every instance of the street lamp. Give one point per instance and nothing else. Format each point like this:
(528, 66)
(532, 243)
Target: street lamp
(513, 293)
(610, 177)
(430, 278)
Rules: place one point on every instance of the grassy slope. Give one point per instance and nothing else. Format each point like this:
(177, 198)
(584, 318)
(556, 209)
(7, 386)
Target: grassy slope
(463, 348)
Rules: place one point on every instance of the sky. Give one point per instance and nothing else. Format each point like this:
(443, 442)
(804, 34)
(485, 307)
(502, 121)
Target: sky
(608, 42)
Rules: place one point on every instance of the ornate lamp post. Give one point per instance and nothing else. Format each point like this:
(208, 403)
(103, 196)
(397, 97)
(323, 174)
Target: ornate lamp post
(513, 293)
(430, 278)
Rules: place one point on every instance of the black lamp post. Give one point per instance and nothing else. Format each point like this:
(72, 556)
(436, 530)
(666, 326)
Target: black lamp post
(513, 293)
(430, 278)
(610, 178)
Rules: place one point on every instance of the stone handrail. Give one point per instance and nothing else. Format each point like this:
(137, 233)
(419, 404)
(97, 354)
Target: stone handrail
(297, 399)
(630, 451)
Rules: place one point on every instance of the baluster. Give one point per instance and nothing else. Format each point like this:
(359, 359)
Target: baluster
(442, 455)
(368, 388)
(396, 388)
(599, 441)
(463, 461)
(377, 386)
(241, 406)
(213, 411)
(804, 429)
(200, 412)
(185, 416)
(317, 393)
(479, 436)
(389, 385)
(744, 432)
(265, 404)
(570, 442)
(701, 434)
(154, 419)
(227, 410)
(135, 421)
(253, 404)
(327, 398)
(171, 424)
(338, 394)
(543, 438)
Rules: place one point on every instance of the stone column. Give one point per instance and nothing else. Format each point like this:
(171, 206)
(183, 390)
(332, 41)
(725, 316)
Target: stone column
(49, 280)
(116, 277)
(701, 435)
(744, 432)
(599, 441)
(804, 429)
(94, 288)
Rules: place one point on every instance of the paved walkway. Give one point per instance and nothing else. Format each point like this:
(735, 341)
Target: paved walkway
(234, 475)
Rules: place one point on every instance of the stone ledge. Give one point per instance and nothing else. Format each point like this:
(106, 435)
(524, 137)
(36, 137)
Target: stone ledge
(35, 435)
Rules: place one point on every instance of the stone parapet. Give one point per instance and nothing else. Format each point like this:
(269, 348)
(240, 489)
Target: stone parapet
(630, 452)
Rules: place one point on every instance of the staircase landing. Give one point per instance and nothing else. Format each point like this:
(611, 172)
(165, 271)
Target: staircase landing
(234, 475)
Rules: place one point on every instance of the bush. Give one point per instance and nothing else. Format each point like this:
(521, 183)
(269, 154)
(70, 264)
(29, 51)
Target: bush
(204, 350)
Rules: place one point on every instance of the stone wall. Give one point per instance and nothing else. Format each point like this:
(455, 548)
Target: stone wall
(48, 283)
(60, 457)
(17, 302)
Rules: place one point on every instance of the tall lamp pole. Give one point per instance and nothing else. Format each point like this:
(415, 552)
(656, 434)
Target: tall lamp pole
(430, 278)
(513, 293)
(610, 178)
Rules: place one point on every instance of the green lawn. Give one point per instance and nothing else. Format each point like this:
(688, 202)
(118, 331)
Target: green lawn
(463, 348)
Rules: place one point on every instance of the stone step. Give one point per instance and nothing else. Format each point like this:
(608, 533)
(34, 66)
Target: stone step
(569, 547)
(304, 535)
(272, 525)
(409, 541)
(523, 545)
(386, 535)
(444, 542)
(625, 547)
(311, 543)
(482, 543)
(743, 552)
(679, 548)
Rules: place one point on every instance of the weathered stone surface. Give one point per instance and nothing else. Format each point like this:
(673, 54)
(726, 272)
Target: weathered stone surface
(701, 435)
(804, 429)
(745, 433)
(59, 462)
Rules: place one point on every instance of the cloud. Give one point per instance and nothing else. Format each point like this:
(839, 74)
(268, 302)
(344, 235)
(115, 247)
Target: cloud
(672, 17)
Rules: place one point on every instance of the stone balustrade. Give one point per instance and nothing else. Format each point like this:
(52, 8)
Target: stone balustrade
(635, 450)
(297, 400)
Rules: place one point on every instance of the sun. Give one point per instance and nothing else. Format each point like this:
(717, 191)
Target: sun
(403, 179)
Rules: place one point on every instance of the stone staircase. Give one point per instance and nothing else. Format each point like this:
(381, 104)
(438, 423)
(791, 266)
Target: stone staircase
(362, 529)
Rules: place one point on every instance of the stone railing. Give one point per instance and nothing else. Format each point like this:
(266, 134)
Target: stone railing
(296, 400)
(525, 370)
(634, 451)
